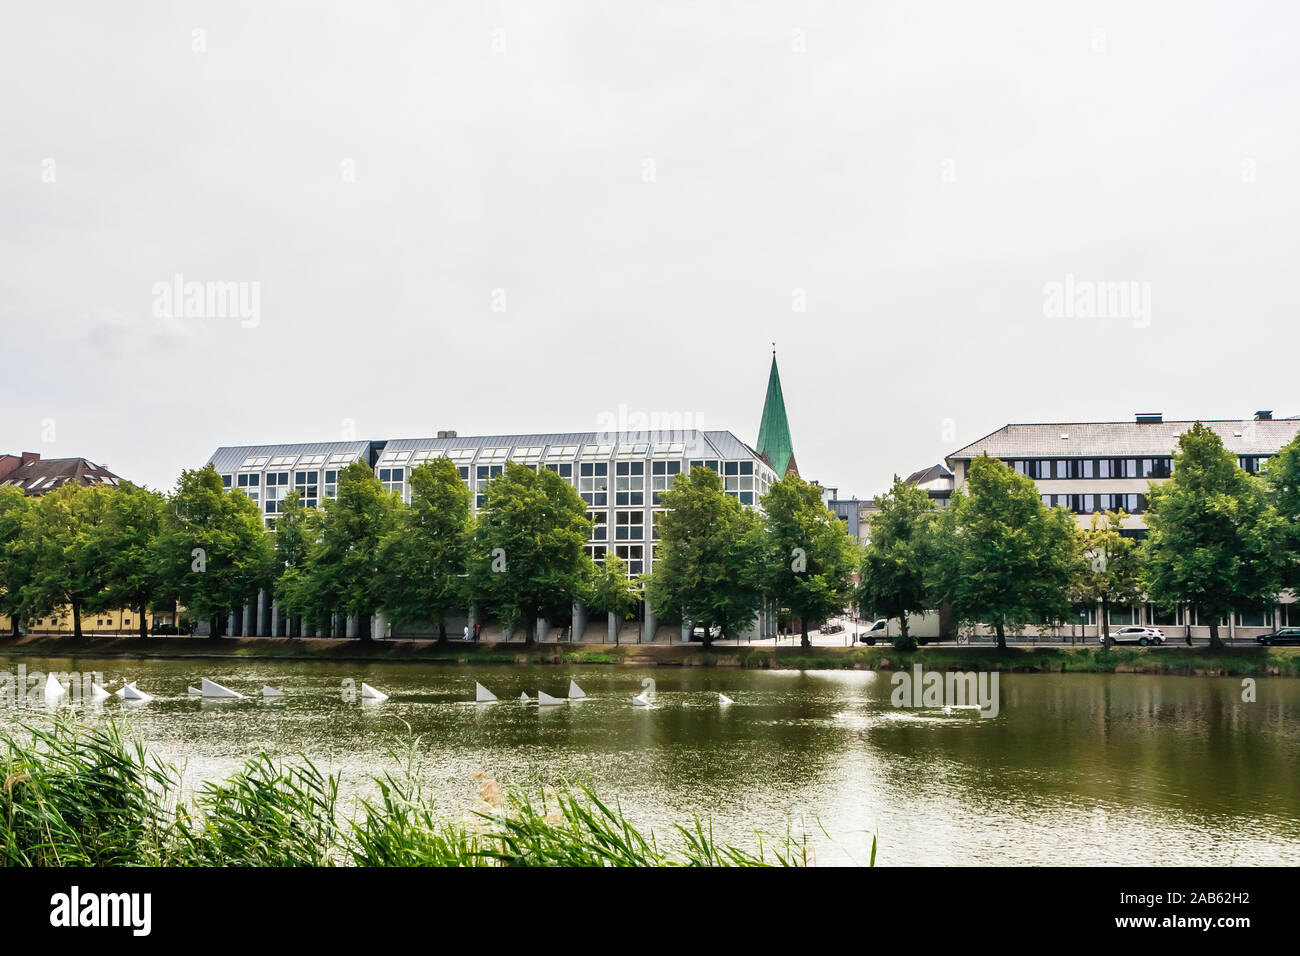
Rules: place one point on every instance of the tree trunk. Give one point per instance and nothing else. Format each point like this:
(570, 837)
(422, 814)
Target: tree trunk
(13, 622)
(1002, 636)
(1215, 643)
(529, 628)
(76, 619)
(803, 633)
(1105, 622)
(442, 630)
(144, 626)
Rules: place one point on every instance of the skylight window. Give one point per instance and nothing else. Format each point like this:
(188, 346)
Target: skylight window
(254, 463)
(562, 453)
(597, 451)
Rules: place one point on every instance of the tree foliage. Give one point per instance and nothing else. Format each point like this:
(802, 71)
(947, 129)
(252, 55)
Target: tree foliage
(1215, 543)
(897, 571)
(1005, 558)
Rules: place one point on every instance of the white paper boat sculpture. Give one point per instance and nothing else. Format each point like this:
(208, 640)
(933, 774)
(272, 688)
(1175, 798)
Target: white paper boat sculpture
(130, 692)
(269, 691)
(482, 695)
(641, 700)
(524, 698)
(546, 700)
(369, 693)
(576, 692)
(724, 699)
(53, 689)
(98, 693)
(212, 689)
(194, 692)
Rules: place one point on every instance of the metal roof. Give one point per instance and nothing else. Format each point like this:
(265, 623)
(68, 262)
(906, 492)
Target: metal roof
(229, 458)
(1122, 439)
(697, 443)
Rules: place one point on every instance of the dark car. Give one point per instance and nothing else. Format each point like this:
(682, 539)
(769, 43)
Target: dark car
(831, 628)
(1288, 635)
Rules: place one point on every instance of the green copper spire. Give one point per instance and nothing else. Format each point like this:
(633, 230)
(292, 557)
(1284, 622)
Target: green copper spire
(774, 431)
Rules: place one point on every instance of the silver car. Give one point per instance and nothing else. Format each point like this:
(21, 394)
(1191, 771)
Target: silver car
(1137, 635)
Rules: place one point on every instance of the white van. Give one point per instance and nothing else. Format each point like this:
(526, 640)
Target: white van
(923, 627)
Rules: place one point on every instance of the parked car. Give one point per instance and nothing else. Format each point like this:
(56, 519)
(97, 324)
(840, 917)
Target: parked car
(1288, 635)
(1136, 635)
(697, 632)
(831, 627)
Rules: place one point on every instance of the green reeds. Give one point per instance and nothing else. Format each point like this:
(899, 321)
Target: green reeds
(74, 795)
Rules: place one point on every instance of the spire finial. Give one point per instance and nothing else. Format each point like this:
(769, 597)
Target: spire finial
(773, 350)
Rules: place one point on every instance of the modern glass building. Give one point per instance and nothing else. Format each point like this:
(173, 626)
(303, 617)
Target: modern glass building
(620, 475)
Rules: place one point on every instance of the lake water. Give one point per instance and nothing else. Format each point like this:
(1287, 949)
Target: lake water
(1091, 769)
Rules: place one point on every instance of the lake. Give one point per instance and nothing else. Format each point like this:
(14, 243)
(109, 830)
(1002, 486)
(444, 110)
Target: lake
(1074, 769)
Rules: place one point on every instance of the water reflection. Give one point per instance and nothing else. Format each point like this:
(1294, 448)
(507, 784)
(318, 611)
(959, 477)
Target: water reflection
(1119, 769)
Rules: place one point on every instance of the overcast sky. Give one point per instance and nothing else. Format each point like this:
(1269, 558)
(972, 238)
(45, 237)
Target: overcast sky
(507, 218)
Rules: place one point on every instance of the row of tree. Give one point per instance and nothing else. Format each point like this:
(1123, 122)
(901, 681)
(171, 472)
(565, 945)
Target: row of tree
(523, 557)
(1220, 541)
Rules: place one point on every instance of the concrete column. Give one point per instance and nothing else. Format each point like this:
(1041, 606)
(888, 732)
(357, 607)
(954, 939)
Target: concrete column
(261, 613)
(379, 626)
(612, 627)
(648, 634)
(686, 633)
(232, 625)
(579, 620)
(543, 629)
(275, 618)
(352, 623)
(248, 619)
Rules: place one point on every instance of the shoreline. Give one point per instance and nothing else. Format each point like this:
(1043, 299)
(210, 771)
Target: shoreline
(1200, 662)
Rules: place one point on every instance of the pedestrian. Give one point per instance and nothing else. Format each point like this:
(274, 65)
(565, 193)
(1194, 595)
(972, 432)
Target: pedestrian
(478, 629)
(466, 635)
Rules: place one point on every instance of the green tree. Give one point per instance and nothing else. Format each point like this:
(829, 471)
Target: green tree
(215, 552)
(897, 566)
(610, 591)
(15, 564)
(809, 559)
(709, 565)
(125, 549)
(424, 560)
(1215, 543)
(342, 568)
(530, 553)
(1111, 571)
(57, 540)
(295, 528)
(1004, 557)
(1282, 479)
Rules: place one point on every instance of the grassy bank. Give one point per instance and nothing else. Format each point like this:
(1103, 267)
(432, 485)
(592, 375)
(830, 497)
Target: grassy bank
(92, 796)
(1252, 661)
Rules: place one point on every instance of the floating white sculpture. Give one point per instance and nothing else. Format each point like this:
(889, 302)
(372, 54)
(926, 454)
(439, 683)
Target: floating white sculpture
(53, 689)
(576, 692)
(524, 698)
(269, 691)
(369, 693)
(130, 692)
(98, 693)
(212, 689)
(482, 695)
(194, 692)
(641, 700)
(724, 699)
(546, 700)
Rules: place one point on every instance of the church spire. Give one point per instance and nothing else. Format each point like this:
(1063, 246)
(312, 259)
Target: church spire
(774, 430)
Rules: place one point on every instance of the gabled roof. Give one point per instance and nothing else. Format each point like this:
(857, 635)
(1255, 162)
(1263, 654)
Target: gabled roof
(1120, 439)
(41, 475)
(933, 473)
(774, 442)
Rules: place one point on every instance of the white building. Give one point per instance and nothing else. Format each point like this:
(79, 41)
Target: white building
(1090, 467)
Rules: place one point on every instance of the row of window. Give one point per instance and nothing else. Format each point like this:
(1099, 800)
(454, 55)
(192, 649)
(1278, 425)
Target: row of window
(1092, 504)
(1066, 468)
(1288, 615)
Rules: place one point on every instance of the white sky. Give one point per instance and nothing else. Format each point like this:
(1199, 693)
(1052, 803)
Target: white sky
(920, 172)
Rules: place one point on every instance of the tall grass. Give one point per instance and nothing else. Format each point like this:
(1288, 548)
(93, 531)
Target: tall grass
(73, 795)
